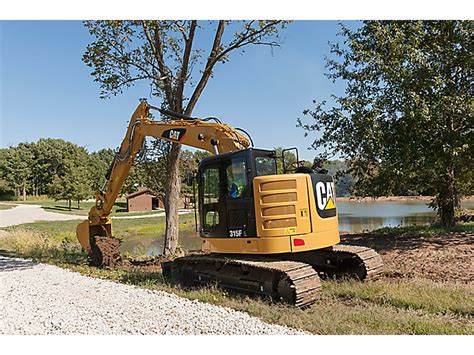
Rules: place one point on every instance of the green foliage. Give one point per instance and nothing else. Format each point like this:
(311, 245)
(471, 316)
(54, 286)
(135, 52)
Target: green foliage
(405, 121)
(344, 180)
(432, 229)
(7, 192)
(71, 179)
(290, 160)
(54, 167)
(162, 54)
(99, 163)
(65, 171)
(18, 167)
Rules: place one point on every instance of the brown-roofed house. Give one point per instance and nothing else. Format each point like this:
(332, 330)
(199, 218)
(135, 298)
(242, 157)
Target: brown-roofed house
(142, 200)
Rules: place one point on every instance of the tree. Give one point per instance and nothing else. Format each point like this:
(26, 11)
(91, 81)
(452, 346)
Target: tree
(161, 53)
(71, 180)
(344, 181)
(290, 160)
(99, 163)
(48, 155)
(405, 121)
(18, 168)
(7, 190)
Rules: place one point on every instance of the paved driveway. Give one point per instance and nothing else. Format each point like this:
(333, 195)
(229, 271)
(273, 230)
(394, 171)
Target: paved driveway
(31, 213)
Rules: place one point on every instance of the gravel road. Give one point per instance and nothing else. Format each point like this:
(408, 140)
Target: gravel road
(24, 213)
(44, 299)
(31, 213)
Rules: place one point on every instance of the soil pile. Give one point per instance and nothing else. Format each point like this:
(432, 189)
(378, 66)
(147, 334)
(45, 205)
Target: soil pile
(104, 251)
(439, 257)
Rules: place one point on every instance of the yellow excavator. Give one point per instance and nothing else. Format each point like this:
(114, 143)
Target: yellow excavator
(262, 232)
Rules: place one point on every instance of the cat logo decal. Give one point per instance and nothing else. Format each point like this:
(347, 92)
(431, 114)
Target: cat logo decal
(325, 195)
(175, 135)
(325, 198)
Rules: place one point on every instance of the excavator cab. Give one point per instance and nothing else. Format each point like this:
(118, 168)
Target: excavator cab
(245, 206)
(226, 197)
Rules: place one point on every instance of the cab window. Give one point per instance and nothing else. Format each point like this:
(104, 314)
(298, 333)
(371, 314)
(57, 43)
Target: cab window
(265, 166)
(236, 178)
(211, 197)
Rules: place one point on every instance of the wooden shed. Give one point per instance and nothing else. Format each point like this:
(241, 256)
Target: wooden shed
(142, 200)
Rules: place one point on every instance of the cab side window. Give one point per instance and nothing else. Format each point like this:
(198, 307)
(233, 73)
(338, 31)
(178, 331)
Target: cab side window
(236, 178)
(265, 166)
(211, 197)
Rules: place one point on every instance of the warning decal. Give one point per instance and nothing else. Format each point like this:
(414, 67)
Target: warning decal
(330, 204)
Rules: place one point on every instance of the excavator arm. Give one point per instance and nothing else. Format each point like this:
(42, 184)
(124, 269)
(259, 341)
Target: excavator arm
(214, 137)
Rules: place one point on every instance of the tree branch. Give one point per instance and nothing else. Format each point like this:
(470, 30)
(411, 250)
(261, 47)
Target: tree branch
(184, 68)
(214, 56)
(157, 48)
(207, 70)
(245, 40)
(131, 80)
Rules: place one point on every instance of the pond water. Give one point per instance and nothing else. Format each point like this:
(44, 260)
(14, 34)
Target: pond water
(353, 217)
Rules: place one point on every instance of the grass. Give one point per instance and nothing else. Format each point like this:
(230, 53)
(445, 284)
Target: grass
(412, 294)
(427, 229)
(4, 206)
(49, 205)
(388, 306)
(122, 228)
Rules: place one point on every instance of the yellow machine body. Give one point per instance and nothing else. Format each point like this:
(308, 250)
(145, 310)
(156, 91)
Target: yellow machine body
(287, 219)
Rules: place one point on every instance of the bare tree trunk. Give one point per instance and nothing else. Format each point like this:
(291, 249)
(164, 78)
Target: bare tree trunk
(448, 201)
(24, 191)
(172, 190)
(69, 204)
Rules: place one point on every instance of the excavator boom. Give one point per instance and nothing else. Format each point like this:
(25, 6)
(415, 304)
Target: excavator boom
(214, 137)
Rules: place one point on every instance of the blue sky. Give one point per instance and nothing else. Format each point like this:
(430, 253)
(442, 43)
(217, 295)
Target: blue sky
(47, 91)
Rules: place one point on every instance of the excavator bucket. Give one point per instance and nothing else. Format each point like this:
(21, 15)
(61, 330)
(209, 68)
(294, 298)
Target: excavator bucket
(82, 234)
(97, 240)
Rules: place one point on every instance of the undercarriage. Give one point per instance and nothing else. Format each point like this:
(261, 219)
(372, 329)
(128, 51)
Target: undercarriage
(290, 278)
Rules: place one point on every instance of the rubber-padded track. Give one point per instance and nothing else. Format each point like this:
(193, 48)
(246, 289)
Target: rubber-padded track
(362, 262)
(290, 281)
(369, 259)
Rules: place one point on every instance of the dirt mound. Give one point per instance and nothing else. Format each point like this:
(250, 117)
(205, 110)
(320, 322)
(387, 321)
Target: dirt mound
(104, 251)
(151, 263)
(439, 257)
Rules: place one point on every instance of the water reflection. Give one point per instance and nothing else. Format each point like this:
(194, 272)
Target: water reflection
(353, 217)
(152, 244)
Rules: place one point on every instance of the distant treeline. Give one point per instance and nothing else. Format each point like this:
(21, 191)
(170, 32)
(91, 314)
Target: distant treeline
(65, 171)
(54, 167)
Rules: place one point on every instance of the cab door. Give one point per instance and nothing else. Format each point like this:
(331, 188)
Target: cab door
(212, 202)
(239, 200)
